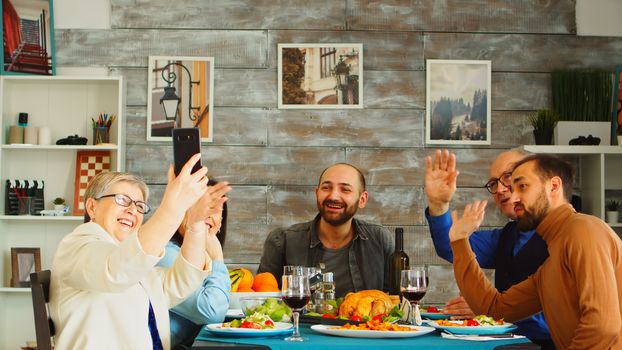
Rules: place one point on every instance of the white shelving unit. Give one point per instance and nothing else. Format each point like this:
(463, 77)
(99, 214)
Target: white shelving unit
(600, 168)
(65, 105)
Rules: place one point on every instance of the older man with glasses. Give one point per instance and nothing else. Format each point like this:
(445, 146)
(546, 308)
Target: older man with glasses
(512, 253)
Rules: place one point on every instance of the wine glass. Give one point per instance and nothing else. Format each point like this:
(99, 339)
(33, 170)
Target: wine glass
(296, 295)
(414, 284)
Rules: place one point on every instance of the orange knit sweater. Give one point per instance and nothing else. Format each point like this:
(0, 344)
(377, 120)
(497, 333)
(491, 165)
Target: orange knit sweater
(578, 287)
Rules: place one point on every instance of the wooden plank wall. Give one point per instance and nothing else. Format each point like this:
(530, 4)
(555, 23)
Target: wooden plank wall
(273, 157)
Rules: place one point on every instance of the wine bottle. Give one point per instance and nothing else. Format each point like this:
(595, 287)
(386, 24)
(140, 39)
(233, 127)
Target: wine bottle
(399, 262)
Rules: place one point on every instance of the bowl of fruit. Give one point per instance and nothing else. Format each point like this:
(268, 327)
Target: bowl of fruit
(271, 306)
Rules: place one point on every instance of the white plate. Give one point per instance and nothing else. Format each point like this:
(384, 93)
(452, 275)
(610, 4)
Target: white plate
(280, 328)
(504, 328)
(351, 333)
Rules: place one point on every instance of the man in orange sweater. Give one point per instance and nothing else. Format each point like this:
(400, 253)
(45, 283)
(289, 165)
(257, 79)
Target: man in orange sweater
(578, 287)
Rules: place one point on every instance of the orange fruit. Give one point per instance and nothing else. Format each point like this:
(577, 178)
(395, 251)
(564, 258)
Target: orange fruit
(247, 281)
(265, 282)
(245, 289)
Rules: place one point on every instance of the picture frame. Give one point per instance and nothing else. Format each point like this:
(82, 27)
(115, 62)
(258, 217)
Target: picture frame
(88, 164)
(28, 35)
(616, 114)
(191, 81)
(458, 102)
(24, 261)
(322, 76)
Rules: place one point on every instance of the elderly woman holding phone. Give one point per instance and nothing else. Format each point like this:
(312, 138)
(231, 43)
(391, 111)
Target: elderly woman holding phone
(106, 292)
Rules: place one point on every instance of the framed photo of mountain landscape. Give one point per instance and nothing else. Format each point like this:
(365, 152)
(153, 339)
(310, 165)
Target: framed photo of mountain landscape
(28, 37)
(458, 102)
(324, 76)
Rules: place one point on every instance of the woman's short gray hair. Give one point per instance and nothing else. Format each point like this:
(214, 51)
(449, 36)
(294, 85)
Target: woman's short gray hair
(101, 183)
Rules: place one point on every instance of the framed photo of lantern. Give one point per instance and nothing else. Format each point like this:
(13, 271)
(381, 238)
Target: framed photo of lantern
(180, 95)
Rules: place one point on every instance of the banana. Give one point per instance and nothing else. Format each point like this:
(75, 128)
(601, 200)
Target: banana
(235, 283)
(236, 277)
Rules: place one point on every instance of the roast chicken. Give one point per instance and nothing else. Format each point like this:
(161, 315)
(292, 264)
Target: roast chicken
(365, 303)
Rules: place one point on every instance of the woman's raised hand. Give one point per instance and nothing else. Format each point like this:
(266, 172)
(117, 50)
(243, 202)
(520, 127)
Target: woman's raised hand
(185, 189)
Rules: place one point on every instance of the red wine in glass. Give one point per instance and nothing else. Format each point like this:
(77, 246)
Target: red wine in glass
(414, 283)
(413, 296)
(296, 302)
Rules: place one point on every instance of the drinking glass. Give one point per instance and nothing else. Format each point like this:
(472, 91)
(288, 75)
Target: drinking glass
(414, 284)
(296, 295)
(292, 270)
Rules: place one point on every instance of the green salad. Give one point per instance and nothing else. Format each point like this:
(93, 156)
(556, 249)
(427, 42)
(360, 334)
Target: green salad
(487, 321)
(255, 321)
(272, 307)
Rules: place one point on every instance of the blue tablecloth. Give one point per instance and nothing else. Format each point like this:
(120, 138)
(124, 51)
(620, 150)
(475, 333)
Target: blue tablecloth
(315, 341)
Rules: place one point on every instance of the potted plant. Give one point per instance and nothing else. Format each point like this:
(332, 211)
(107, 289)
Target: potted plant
(543, 122)
(59, 203)
(612, 211)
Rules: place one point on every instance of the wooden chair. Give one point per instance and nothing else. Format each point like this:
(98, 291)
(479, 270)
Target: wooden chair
(44, 328)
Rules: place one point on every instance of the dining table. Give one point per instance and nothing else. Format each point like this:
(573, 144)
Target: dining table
(316, 341)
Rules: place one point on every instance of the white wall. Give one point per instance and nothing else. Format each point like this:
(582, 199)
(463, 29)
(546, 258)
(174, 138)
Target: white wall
(82, 14)
(599, 17)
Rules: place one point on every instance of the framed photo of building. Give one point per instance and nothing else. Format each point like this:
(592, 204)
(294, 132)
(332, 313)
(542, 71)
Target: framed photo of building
(458, 102)
(180, 95)
(28, 35)
(24, 261)
(320, 76)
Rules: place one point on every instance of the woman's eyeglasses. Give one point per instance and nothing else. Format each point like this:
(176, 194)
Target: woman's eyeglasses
(126, 201)
(493, 185)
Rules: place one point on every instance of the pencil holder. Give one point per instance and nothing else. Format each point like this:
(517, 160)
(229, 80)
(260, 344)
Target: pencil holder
(101, 135)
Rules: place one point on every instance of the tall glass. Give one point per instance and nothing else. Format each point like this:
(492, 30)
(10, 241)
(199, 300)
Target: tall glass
(296, 295)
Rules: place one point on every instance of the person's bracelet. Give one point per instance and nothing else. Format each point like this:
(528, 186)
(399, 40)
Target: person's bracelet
(192, 232)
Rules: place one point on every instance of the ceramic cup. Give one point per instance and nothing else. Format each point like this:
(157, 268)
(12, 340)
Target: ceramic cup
(45, 136)
(16, 134)
(30, 135)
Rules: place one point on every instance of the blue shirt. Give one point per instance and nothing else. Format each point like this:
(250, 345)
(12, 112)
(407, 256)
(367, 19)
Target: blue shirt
(206, 305)
(484, 244)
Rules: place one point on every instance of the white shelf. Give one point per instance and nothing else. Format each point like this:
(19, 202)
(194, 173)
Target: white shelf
(65, 105)
(59, 148)
(41, 218)
(563, 149)
(14, 290)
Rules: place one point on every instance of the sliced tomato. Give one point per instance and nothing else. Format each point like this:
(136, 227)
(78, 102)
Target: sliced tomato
(377, 318)
(251, 325)
(329, 316)
(269, 323)
(472, 323)
(356, 318)
(433, 309)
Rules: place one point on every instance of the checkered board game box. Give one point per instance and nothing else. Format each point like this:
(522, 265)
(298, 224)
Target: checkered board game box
(88, 164)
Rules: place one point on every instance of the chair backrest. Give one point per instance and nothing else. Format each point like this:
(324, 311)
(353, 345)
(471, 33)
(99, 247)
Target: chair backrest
(44, 328)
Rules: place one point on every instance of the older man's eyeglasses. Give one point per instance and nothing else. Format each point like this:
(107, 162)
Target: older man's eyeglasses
(126, 201)
(493, 184)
